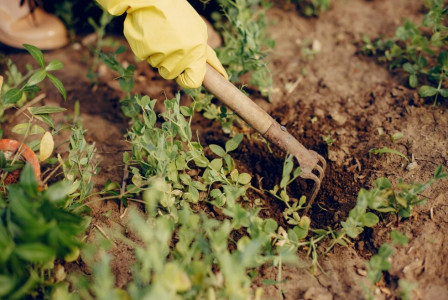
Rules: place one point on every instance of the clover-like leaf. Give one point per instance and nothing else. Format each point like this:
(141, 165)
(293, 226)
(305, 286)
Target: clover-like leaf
(218, 150)
(427, 91)
(234, 142)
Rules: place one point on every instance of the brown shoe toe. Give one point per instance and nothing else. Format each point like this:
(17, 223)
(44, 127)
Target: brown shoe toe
(39, 29)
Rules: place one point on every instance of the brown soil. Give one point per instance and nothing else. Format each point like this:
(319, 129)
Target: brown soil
(345, 95)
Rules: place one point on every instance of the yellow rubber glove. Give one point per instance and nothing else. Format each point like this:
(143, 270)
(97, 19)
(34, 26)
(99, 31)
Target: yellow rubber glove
(170, 35)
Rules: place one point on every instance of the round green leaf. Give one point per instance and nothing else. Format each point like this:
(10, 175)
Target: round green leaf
(234, 142)
(244, 178)
(413, 81)
(370, 219)
(270, 225)
(427, 91)
(216, 164)
(218, 150)
(408, 68)
(444, 93)
(399, 238)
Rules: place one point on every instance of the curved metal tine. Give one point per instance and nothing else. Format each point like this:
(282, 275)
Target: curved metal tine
(316, 188)
(321, 169)
(323, 161)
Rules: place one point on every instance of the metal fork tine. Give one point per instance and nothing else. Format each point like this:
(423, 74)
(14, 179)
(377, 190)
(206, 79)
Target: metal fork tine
(255, 116)
(323, 161)
(316, 188)
(320, 170)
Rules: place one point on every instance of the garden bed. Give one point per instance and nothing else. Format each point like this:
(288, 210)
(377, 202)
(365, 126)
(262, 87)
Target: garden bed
(337, 102)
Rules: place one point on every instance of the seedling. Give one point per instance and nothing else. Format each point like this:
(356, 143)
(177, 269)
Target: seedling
(381, 262)
(313, 7)
(15, 89)
(80, 166)
(35, 230)
(422, 57)
(100, 31)
(245, 42)
(329, 139)
(387, 150)
(64, 11)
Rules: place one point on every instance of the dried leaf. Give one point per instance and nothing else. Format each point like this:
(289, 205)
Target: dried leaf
(46, 146)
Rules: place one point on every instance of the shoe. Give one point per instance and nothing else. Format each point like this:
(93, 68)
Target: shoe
(38, 28)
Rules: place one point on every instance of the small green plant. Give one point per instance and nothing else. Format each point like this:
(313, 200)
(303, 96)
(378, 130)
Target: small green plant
(100, 30)
(291, 212)
(35, 231)
(313, 7)
(80, 166)
(386, 198)
(175, 177)
(204, 104)
(420, 55)
(169, 152)
(199, 265)
(17, 87)
(403, 197)
(125, 74)
(329, 139)
(44, 142)
(387, 150)
(64, 10)
(39, 117)
(242, 24)
(382, 262)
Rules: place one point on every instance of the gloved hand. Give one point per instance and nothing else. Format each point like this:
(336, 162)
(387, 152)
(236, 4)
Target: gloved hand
(170, 35)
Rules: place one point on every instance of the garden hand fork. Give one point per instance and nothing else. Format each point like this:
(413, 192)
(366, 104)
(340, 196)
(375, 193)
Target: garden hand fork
(261, 121)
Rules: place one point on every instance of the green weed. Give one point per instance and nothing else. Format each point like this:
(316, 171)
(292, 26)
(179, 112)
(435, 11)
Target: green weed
(100, 31)
(387, 150)
(386, 198)
(313, 7)
(17, 88)
(242, 23)
(38, 227)
(382, 262)
(167, 164)
(64, 11)
(80, 166)
(419, 50)
(35, 231)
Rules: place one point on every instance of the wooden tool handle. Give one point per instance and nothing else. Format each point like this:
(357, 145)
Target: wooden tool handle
(232, 97)
(256, 117)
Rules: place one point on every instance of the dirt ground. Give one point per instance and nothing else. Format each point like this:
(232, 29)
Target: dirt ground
(343, 94)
